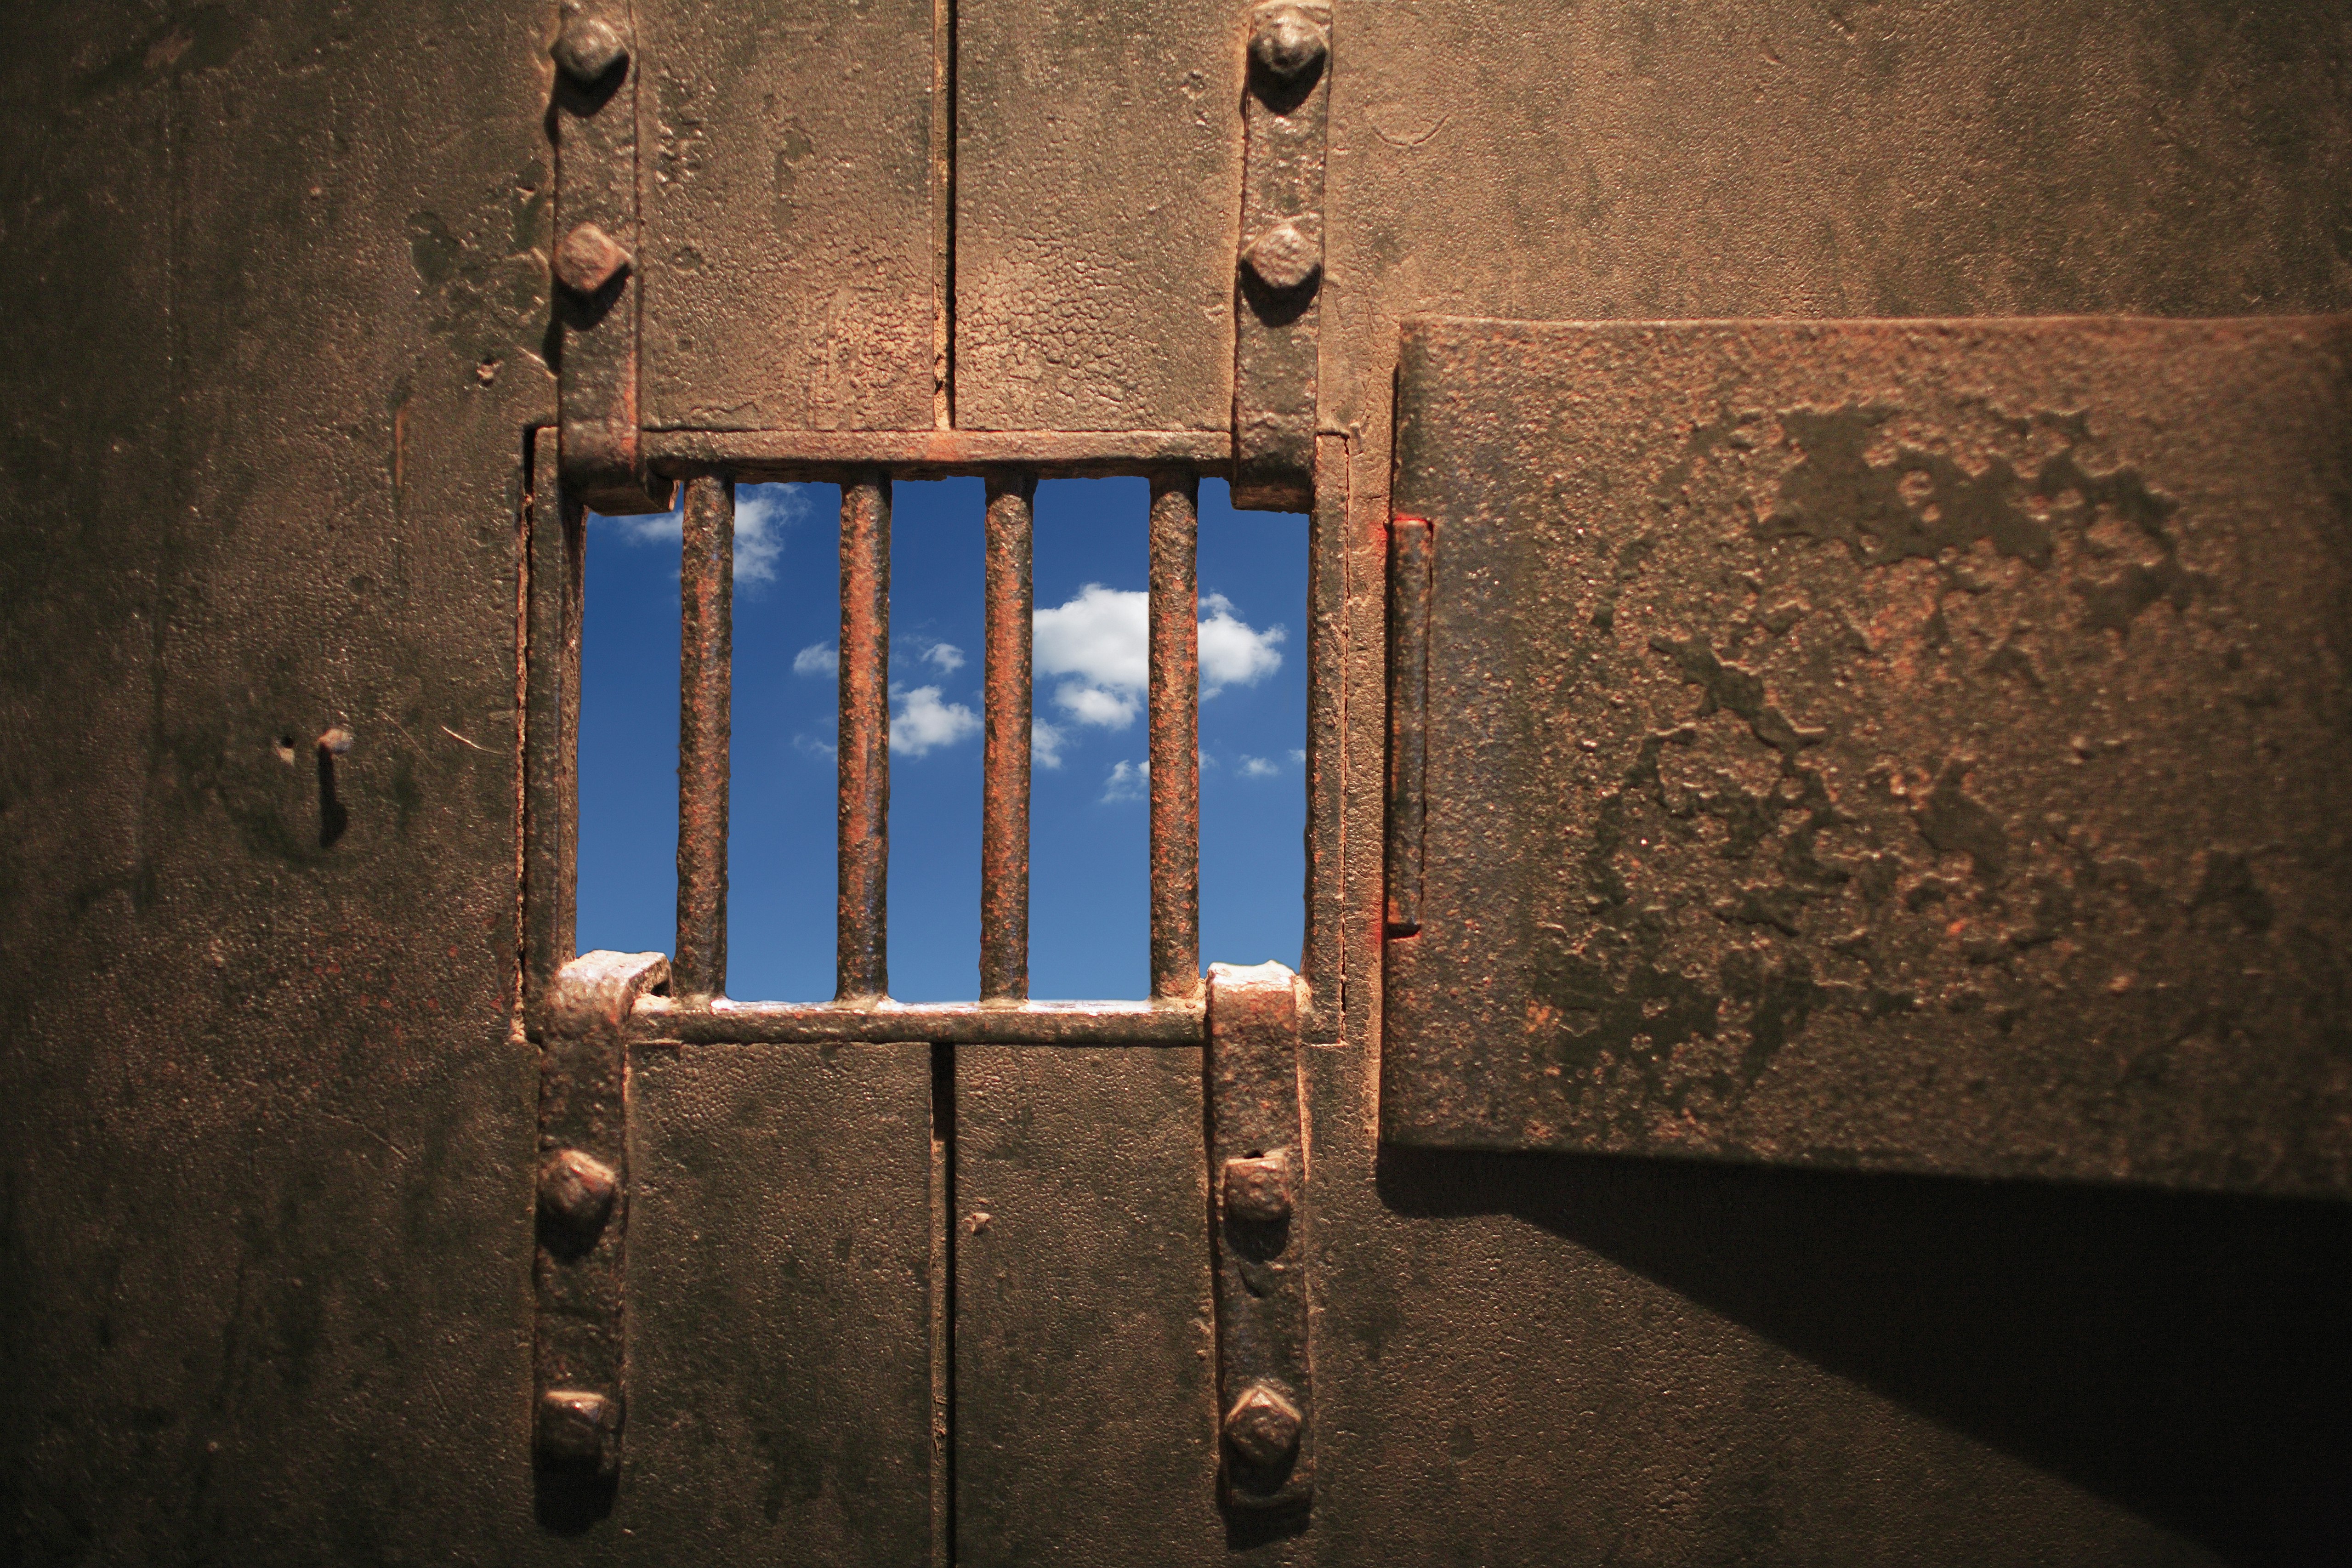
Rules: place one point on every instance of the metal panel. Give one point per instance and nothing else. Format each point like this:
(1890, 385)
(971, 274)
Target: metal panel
(1909, 744)
(1098, 154)
(780, 1345)
(790, 216)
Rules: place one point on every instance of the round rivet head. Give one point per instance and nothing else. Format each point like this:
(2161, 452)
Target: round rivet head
(1257, 1189)
(579, 1429)
(588, 259)
(1286, 41)
(1286, 257)
(1262, 1426)
(589, 48)
(576, 1193)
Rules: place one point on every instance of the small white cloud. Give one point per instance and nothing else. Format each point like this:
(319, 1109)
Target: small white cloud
(817, 659)
(809, 745)
(658, 529)
(1259, 768)
(1128, 781)
(763, 515)
(1299, 756)
(923, 722)
(943, 657)
(1099, 641)
(1233, 653)
(1045, 743)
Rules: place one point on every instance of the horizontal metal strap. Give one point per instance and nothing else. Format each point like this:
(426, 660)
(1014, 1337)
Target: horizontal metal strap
(663, 1020)
(754, 456)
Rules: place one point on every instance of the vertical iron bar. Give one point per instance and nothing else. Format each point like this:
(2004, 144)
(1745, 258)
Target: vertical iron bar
(1004, 797)
(1410, 554)
(860, 962)
(706, 632)
(1175, 738)
(551, 734)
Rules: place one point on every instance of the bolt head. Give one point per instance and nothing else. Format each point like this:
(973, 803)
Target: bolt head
(1286, 257)
(1262, 1426)
(1258, 1189)
(589, 48)
(1287, 41)
(588, 259)
(576, 1193)
(580, 1429)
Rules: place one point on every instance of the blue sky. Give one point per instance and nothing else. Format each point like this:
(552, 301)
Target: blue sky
(1089, 917)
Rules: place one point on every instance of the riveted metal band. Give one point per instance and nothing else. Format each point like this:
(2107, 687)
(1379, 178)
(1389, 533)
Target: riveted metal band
(598, 288)
(1257, 1184)
(1278, 281)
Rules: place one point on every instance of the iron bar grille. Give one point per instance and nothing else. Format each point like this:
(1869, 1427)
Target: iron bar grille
(698, 1010)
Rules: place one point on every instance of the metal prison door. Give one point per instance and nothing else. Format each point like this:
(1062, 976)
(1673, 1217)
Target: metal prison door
(1821, 1029)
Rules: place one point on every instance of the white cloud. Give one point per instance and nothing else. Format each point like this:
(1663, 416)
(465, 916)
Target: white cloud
(924, 722)
(1299, 756)
(1259, 768)
(1128, 781)
(817, 659)
(810, 745)
(763, 515)
(943, 657)
(1233, 653)
(1045, 743)
(1100, 642)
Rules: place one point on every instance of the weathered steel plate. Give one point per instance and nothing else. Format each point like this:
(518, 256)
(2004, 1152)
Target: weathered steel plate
(1907, 744)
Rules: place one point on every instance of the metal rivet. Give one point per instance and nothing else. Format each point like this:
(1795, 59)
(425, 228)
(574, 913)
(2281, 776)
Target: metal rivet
(1258, 1189)
(576, 1193)
(336, 742)
(588, 259)
(576, 1427)
(589, 48)
(1262, 1425)
(1284, 258)
(1286, 41)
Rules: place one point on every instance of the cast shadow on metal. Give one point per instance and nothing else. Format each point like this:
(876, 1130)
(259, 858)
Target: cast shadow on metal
(2179, 1354)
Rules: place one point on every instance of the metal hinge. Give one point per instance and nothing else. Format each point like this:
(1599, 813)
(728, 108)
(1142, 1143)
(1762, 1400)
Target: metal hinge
(1279, 276)
(1257, 1169)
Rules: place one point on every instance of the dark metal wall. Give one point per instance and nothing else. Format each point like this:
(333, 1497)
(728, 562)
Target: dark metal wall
(276, 304)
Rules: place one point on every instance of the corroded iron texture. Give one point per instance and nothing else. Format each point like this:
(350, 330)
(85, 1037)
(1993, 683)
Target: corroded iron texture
(548, 673)
(1164, 1022)
(860, 964)
(1257, 1183)
(1278, 279)
(1174, 701)
(582, 1220)
(1005, 765)
(1905, 744)
(706, 639)
(599, 291)
(1408, 595)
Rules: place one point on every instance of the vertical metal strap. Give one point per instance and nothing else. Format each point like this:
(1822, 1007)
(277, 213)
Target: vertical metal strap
(553, 524)
(1175, 699)
(706, 631)
(1005, 799)
(1257, 1177)
(1410, 563)
(576, 1345)
(861, 965)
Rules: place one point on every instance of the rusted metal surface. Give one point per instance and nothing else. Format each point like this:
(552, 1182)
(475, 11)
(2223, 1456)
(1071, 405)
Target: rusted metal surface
(706, 668)
(1174, 708)
(1279, 282)
(1257, 1164)
(576, 1345)
(1409, 548)
(860, 958)
(1162, 1023)
(595, 121)
(755, 456)
(1005, 764)
(1325, 944)
(1097, 151)
(790, 168)
(547, 737)
(1916, 744)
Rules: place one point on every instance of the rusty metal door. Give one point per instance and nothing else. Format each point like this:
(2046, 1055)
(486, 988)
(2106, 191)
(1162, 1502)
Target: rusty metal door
(1818, 1033)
